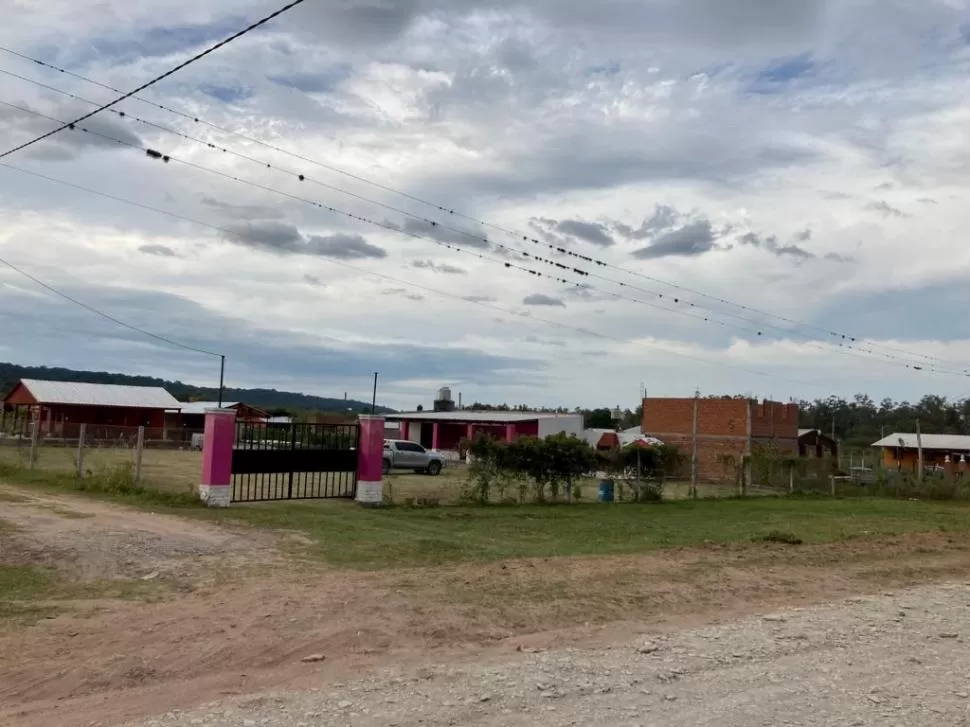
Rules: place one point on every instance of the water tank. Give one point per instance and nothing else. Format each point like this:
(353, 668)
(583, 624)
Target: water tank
(444, 394)
(443, 401)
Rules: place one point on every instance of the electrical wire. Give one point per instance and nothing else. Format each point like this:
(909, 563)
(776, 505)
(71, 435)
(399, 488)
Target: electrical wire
(96, 311)
(845, 349)
(163, 76)
(455, 213)
(502, 309)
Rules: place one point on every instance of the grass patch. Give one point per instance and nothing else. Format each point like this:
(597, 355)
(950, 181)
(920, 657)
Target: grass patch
(779, 536)
(115, 482)
(349, 536)
(29, 593)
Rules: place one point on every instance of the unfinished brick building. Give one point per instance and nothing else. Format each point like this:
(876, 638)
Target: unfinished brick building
(727, 429)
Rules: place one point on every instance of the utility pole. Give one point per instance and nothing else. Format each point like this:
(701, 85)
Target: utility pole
(222, 377)
(919, 454)
(373, 401)
(693, 449)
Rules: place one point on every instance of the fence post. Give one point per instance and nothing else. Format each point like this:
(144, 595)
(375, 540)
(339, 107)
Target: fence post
(138, 452)
(791, 478)
(80, 451)
(215, 489)
(370, 460)
(34, 440)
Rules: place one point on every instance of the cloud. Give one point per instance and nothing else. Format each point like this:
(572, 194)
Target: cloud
(443, 268)
(345, 247)
(283, 237)
(804, 236)
(440, 233)
(20, 126)
(158, 250)
(770, 243)
(542, 300)
(663, 218)
(256, 211)
(592, 232)
(313, 280)
(403, 293)
(690, 240)
(480, 298)
(885, 209)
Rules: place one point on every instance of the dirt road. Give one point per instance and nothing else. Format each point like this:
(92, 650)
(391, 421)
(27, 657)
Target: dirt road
(887, 660)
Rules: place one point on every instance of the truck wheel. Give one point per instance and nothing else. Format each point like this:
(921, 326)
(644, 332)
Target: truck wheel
(434, 469)
(386, 466)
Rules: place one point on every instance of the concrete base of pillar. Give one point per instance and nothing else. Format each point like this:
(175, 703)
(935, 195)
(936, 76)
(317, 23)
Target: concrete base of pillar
(215, 495)
(370, 493)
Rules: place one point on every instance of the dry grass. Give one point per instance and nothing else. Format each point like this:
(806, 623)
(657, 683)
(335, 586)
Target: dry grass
(446, 489)
(163, 469)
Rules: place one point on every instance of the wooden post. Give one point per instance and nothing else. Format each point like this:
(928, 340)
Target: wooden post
(138, 452)
(791, 478)
(80, 451)
(746, 457)
(693, 451)
(919, 454)
(832, 483)
(34, 441)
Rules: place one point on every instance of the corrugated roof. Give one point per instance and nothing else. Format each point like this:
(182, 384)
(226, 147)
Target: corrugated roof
(958, 442)
(78, 394)
(496, 417)
(199, 407)
(803, 432)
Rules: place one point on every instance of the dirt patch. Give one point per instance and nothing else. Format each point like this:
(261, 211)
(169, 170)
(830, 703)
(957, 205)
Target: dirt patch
(89, 540)
(249, 628)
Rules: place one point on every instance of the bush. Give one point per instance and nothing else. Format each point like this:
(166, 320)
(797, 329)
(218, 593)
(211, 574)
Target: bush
(552, 466)
(779, 536)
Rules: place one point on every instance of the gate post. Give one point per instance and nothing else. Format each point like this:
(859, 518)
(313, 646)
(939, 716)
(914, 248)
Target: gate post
(215, 490)
(370, 460)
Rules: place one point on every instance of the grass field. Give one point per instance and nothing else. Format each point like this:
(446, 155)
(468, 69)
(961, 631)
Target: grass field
(163, 469)
(346, 535)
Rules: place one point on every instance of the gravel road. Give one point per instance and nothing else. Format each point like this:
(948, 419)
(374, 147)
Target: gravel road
(899, 659)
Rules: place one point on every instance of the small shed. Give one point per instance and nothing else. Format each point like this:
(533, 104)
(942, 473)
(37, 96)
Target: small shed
(193, 413)
(814, 443)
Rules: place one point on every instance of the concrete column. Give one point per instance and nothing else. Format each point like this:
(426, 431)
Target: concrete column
(215, 490)
(509, 432)
(470, 433)
(405, 429)
(434, 435)
(370, 460)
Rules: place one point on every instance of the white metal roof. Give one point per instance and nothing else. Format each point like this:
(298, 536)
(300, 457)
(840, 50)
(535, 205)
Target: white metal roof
(803, 432)
(958, 442)
(484, 417)
(199, 407)
(73, 393)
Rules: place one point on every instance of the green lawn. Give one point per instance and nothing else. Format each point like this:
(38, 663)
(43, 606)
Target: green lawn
(346, 535)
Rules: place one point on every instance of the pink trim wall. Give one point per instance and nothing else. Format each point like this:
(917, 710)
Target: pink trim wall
(370, 451)
(220, 431)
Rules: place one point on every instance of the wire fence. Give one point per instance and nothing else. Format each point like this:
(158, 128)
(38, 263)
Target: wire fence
(158, 458)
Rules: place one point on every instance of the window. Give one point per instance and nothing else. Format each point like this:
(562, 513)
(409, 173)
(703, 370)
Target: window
(410, 447)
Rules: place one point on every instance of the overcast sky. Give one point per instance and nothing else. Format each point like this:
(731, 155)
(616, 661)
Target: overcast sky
(807, 160)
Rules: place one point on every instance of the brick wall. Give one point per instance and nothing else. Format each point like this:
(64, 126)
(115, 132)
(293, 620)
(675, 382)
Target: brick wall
(722, 428)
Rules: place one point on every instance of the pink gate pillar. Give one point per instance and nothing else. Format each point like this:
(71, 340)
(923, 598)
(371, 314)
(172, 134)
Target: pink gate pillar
(215, 490)
(370, 460)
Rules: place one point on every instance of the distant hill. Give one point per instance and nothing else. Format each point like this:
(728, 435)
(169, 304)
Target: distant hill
(10, 374)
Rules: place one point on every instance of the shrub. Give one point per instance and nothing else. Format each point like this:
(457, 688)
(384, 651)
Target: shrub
(779, 536)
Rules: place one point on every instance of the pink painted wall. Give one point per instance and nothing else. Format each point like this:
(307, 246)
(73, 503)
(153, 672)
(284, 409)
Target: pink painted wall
(370, 451)
(220, 431)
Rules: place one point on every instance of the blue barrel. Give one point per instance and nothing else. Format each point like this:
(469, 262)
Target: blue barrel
(606, 491)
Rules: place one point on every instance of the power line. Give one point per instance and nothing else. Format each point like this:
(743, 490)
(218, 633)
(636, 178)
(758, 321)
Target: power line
(509, 311)
(106, 316)
(842, 348)
(176, 69)
(452, 212)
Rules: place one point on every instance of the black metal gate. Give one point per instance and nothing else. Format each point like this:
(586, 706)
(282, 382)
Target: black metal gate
(294, 461)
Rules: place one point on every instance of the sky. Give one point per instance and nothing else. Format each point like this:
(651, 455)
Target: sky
(547, 202)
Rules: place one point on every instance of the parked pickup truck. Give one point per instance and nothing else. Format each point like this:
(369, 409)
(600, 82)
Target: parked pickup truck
(401, 455)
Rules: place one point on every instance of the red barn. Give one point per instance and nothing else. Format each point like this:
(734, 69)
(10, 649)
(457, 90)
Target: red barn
(56, 404)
